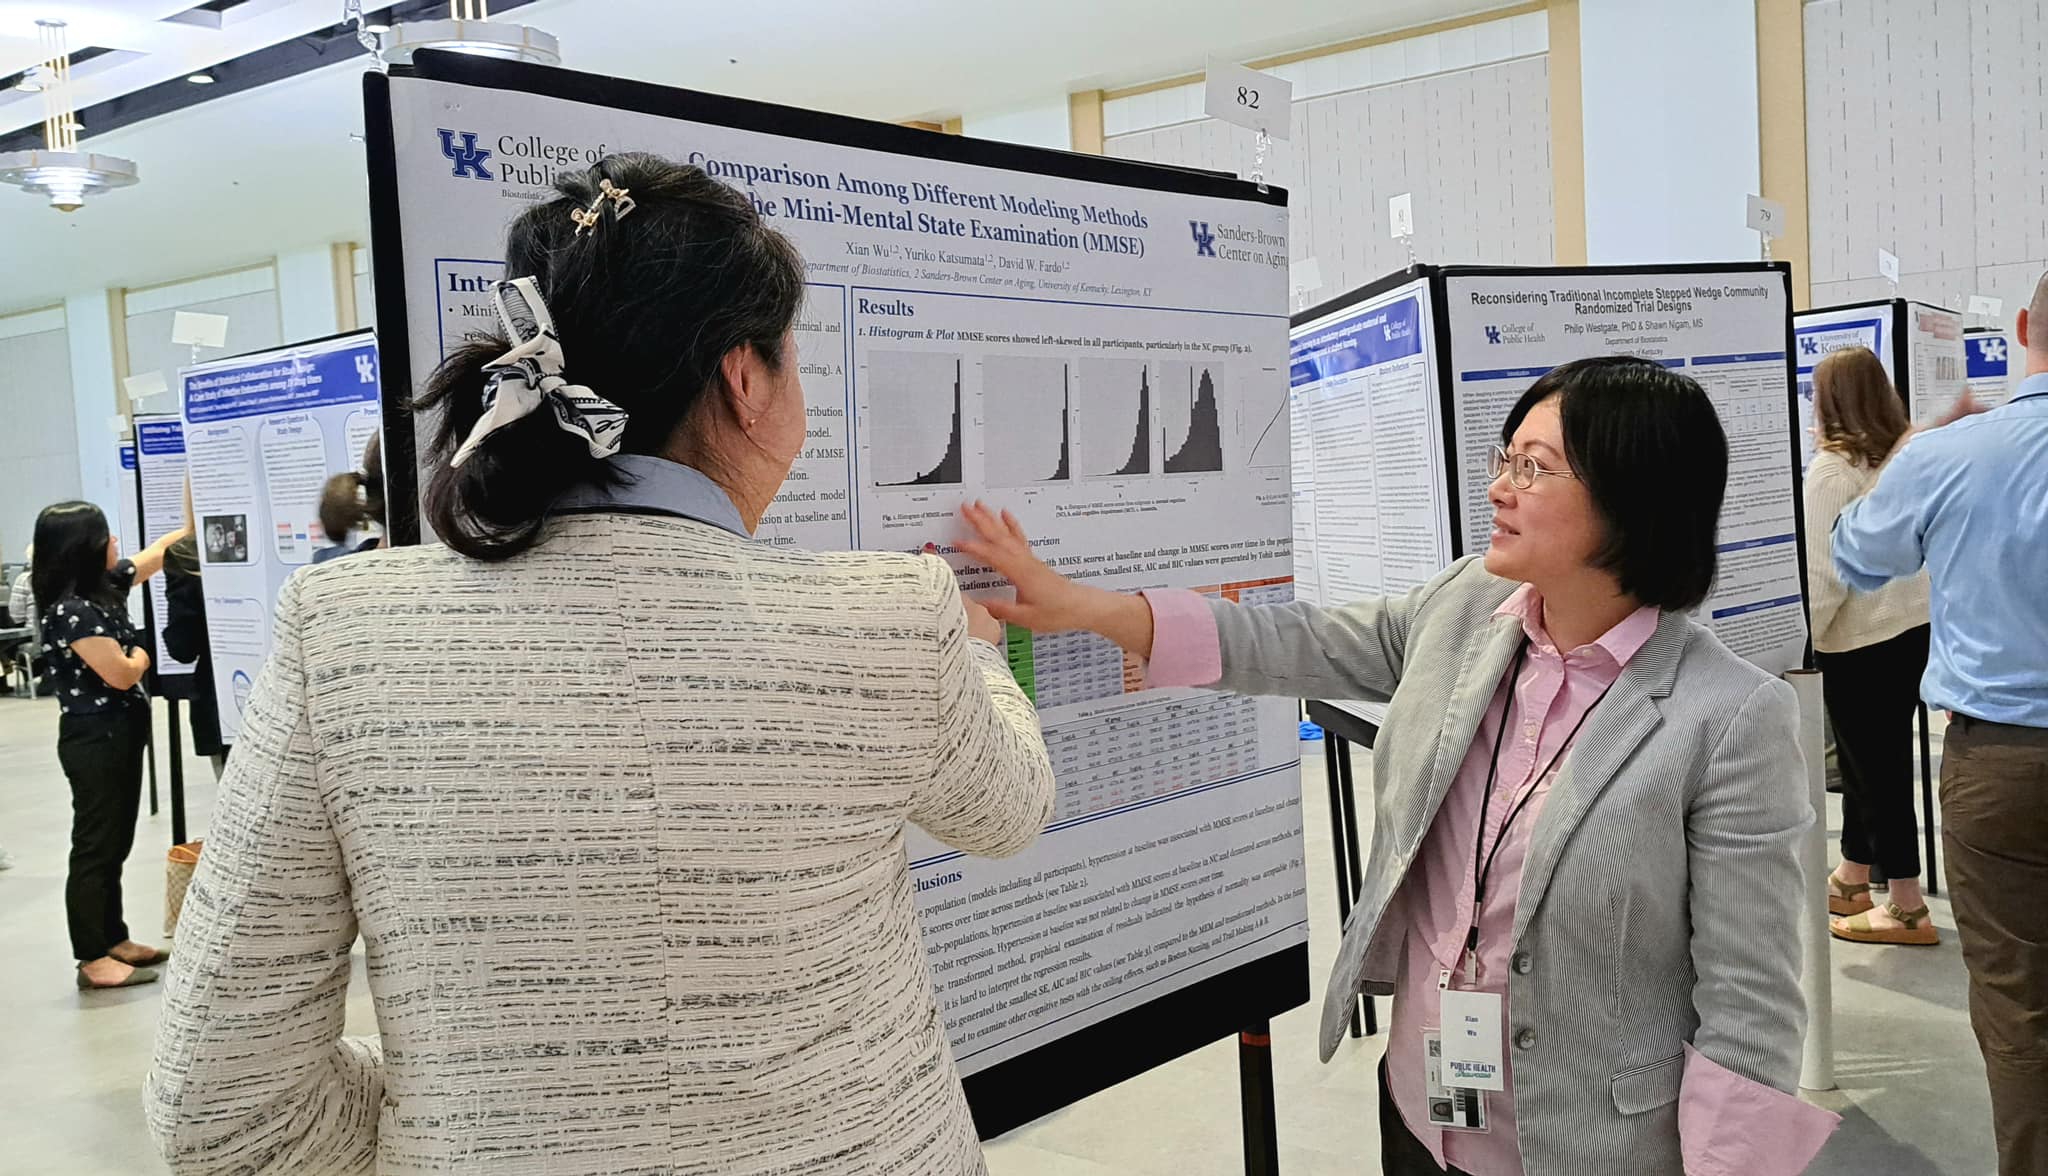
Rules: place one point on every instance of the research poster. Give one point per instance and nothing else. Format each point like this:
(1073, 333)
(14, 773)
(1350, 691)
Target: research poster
(160, 469)
(263, 433)
(1105, 357)
(1372, 501)
(1726, 328)
(129, 524)
(1816, 333)
(1988, 366)
(1934, 360)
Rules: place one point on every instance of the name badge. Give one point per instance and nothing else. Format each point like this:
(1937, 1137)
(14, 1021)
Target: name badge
(1472, 1040)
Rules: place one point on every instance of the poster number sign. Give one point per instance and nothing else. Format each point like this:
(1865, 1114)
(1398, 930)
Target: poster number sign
(1249, 99)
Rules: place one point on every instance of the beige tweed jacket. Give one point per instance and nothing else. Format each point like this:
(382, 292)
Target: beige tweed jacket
(620, 823)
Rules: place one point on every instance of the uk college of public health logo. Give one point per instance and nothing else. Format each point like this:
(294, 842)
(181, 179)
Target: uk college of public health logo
(1205, 241)
(1809, 345)
(1493, 334)
(467, 157)
(366, 370)
(1992, 350)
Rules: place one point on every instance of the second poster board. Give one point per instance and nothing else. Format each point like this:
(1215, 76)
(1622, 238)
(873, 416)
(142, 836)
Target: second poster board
(1920, 346)
(160, 471)
(1989, 364)
(263, 432)
(1491, 333)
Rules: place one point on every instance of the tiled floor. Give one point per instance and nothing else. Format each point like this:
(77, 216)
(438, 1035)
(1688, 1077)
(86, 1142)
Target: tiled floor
(1912, 1087)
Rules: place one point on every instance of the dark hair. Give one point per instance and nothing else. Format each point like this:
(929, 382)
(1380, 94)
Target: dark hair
(1649, 447)
(355, 499)
(1856, 411)
(646, 309)
(71, 556)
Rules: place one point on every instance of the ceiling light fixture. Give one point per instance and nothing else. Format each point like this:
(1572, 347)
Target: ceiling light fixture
(34, 80)
(202, 78)
(60, 170)
(468, 29)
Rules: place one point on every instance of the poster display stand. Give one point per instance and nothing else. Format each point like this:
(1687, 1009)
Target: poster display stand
(1095, 344)
(263, 432)
(160, 502)
(1920, 346)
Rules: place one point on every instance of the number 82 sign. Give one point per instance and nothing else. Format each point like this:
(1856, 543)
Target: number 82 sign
(1249, 99)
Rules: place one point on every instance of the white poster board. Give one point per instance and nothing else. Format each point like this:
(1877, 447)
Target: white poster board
(1816, 333)
(1726, 327)
(160, 468)
(1371, 495)
(263, 433)
(1934, 359)
(1988, 365)
(1097, 347)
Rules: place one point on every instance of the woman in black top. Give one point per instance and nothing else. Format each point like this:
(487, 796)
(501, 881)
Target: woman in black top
(96, 662)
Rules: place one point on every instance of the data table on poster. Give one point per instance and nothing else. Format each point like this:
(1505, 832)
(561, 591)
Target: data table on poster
(1148, 752)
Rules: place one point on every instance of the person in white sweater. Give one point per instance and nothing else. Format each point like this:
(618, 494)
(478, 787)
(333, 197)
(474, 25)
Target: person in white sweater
(615, 794)
(1872, 649)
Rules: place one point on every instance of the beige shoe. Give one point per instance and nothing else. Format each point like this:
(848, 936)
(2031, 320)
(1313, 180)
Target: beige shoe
(1918, 930)
(1848, 898)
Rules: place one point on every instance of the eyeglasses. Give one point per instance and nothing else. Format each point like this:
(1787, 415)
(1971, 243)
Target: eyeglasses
(1522, 470)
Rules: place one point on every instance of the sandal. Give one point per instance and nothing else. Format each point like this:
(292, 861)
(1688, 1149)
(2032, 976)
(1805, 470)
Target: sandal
(1848, 898)
(136, 977)
(154, 959)
(1917, 932)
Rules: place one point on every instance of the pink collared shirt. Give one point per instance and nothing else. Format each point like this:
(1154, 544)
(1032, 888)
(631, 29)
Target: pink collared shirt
(1729, 1125)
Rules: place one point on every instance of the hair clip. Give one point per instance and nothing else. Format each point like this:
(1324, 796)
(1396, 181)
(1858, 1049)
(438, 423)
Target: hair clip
(622, 203)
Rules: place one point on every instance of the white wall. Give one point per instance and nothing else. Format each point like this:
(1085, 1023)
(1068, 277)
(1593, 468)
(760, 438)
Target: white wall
(1461, 119)
(39, 446)
(1927, 134)
(1041, 124)
(305, 294)
(1671, 140)
(248, 297)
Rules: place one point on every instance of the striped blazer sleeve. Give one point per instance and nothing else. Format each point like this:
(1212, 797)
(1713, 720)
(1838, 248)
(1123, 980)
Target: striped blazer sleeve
(990, 790)
(251, 1072)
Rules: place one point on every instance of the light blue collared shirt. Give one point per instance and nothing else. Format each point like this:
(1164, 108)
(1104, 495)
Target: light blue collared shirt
(653, 485)
(1970, 502)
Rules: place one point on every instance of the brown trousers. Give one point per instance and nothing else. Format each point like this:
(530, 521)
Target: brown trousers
(1994, 817)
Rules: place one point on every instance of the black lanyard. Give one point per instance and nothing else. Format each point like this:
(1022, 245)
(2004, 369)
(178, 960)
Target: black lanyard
(1482, 868)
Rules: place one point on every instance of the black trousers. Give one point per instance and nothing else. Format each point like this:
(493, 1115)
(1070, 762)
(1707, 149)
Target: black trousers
(1871, 695)
(1401, 1154)
(102, 758)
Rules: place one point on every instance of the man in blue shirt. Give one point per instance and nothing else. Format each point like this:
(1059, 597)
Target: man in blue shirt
(1969, 501)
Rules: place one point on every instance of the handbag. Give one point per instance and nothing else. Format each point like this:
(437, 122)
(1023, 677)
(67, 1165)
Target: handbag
(178, 867)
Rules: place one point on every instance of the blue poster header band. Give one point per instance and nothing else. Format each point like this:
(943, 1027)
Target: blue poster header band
(1742, 357)
(1377, 336)
(1749, 544)
(1758, 606)
(1817, 340)
(160, 438)
(281, 382)
(127, 457)
(1527, 373)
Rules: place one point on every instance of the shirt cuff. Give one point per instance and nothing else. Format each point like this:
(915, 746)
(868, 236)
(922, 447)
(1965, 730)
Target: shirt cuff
(1185, 649)
(1729, 1125)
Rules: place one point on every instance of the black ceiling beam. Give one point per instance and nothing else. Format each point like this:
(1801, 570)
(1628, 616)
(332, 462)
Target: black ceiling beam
(260, 67)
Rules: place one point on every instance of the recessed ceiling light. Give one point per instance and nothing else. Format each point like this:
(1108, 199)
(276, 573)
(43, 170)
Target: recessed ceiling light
(202, 78)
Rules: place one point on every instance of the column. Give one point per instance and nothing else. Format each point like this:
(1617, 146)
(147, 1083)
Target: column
(305, 294)
(96, 401)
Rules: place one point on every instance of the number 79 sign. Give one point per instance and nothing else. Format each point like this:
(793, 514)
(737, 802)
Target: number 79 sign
(1249, 99)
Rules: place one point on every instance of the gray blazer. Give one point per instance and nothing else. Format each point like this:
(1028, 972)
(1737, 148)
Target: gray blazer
(1661, 897)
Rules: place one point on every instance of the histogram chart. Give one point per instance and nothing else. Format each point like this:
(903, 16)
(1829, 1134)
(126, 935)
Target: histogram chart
(915, 405)
(1115, 404)
(1025, 403)
(1191, 410)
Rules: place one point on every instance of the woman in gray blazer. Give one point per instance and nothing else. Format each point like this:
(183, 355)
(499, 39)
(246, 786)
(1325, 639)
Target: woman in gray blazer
(615, 796)
(1583, 889)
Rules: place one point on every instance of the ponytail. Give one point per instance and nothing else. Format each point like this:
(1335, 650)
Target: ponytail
(647, 294)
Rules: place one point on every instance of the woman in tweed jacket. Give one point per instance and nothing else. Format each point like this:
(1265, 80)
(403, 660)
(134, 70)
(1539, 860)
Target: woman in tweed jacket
(614, 796)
